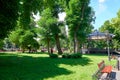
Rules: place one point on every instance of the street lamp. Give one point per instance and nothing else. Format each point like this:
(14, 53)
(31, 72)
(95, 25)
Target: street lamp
(108, 39)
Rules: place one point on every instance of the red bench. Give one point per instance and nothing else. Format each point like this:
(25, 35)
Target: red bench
(104, 68)
(103, 72)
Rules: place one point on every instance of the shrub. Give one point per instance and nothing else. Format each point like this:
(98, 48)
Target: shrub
(76, 55)
(66, 55)
(53, 55)
(73, 55)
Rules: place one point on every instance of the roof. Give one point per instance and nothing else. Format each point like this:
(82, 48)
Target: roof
(96, 35)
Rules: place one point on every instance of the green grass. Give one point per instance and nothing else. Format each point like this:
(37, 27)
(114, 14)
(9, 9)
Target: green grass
(14, 66)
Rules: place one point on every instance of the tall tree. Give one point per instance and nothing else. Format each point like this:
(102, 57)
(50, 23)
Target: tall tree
(46, 22)
(107, 26)
(79, 18)
(8, 16)
(24, 38)
(26, 10)
(55, 8)
(113, 26)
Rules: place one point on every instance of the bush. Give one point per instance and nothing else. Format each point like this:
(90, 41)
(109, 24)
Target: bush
(76, 55)
(66, 55)
(53, 55)
(73, 55)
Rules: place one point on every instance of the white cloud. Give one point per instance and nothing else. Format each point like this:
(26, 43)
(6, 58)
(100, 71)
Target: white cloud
(102, 1)
(101, 7)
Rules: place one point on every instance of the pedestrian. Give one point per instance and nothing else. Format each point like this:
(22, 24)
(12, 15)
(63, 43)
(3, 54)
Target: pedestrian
(51, 50)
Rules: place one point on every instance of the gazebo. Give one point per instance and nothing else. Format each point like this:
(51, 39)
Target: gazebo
(96, 35)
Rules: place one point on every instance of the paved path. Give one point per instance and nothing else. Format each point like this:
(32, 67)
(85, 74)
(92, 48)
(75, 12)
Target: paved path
(115, 75)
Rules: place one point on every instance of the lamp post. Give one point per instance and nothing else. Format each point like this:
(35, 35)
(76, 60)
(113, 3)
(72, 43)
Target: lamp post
(108, 48)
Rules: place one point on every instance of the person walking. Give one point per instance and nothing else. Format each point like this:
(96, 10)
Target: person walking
(51, 50)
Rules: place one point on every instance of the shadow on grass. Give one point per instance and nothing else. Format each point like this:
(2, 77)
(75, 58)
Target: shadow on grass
(15, 67)
(97, 54)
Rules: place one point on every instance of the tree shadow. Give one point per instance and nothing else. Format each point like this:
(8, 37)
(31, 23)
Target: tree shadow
(16, 67)
(96, 54)
(80, 61)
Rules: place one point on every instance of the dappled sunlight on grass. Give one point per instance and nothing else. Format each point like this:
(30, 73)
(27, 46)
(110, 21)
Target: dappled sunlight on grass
(40, 67)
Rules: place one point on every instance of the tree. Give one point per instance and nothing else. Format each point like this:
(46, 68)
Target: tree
(55, 8)
(16, 35)
(113, 26)
(1, 44)
(79, 18)
(27, 41)
(45, 23)
(107, 26)
(27, 8)
(49, 28)
(8, 16)
(25, 38)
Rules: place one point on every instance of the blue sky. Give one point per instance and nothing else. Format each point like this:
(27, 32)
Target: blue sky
(104, 10)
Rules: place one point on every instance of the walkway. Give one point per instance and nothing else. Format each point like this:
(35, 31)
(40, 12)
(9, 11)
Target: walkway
(115, 75)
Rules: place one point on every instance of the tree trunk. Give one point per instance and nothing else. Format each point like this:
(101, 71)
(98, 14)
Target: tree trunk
(78, 46)
(76, 43)
(58, 44)
(48, 45)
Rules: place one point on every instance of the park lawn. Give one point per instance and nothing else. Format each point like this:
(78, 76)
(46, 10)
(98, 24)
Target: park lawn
(19, 66)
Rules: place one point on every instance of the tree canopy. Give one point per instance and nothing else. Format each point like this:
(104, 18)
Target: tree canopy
(79, 18)
(113, 26)
(18, 16)
(8, 16)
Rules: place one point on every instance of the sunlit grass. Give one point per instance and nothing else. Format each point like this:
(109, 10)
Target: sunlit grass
(19, 66)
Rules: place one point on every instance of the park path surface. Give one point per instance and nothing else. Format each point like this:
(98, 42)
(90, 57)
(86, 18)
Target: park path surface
(115, 75)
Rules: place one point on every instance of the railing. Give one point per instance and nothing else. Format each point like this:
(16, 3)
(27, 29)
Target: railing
(96, 50)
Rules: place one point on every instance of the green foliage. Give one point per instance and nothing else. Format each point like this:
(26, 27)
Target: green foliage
(53, 55)
(113, 26)
(7, 42)
(66, 55)
(10, 10)
(49, 27)
(73, 55)
(21, 13)
(27, 39)
(1, 44)
(16, 35)
(79, 18)
(8, 16)
(46, 23)
(24, 38)
(107, 26)
(27, 8)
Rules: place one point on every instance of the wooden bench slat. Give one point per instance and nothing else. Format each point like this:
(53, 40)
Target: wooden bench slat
(107, 69)
(103, 76)
(103, 72)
